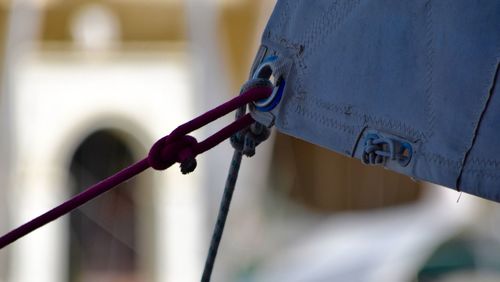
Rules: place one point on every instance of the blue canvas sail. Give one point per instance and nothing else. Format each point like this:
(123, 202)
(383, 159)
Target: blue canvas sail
(409, 85)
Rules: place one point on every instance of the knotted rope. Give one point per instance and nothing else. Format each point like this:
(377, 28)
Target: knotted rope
(177, 147)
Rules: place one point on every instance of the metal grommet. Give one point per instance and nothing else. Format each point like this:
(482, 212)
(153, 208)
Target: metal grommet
(265, 70)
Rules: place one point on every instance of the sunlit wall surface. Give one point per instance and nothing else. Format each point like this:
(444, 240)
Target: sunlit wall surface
(87, 88)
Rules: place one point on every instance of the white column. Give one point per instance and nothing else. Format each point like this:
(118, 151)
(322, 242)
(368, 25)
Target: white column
(211, 87)
(22, 29)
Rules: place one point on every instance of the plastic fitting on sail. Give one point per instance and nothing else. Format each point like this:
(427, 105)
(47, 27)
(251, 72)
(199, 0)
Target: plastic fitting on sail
(266, 70)
(379, 149)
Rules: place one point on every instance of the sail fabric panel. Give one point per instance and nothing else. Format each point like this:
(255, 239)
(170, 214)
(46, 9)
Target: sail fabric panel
(420, 71)
(482, 168)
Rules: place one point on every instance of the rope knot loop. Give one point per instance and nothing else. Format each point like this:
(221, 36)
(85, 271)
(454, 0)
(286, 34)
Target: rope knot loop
(248, 139)
(168, 151)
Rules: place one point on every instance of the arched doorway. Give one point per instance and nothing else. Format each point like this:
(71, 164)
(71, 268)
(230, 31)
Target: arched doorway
(103, 234)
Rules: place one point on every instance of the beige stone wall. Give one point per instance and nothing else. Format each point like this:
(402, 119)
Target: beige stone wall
(141, 21)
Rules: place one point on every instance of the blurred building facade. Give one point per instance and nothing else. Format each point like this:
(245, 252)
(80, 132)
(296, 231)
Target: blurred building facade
(98, 75)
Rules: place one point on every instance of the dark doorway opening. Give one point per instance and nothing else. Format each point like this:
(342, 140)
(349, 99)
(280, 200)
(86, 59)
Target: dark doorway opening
(103, 233)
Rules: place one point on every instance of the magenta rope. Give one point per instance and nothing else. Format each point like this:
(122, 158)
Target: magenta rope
(178, 147)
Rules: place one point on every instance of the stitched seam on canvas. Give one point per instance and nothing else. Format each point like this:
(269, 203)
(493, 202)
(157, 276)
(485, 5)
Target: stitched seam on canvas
(297, 48)
(280, 40)
(483, 163)
(367, 120)
(394, 125)
(297, 64)
(441, 160)
(491, 89)
(325, 121)
(483, 174)
(429, 75)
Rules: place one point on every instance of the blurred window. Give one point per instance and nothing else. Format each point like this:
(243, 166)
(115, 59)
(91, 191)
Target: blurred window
(95, 28)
